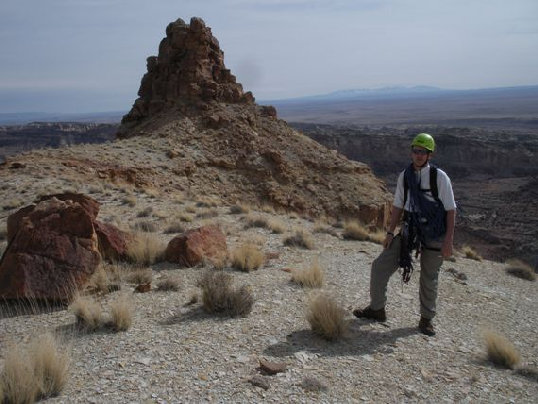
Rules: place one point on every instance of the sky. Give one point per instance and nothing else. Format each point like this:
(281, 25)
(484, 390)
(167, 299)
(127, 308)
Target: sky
(89, 55)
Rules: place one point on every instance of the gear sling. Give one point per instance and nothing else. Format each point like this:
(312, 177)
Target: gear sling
(425, 219)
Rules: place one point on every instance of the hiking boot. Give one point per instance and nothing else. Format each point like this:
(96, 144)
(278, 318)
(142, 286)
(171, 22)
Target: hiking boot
(426, 327)
(367, 312)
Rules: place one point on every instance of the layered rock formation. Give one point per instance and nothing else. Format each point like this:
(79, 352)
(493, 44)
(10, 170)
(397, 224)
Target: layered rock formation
(188, 73)
(223, 143)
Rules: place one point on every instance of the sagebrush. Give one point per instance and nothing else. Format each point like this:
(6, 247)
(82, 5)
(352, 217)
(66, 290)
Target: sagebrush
(221, 297)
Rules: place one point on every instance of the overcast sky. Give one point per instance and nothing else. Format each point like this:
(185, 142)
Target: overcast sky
(89, 55)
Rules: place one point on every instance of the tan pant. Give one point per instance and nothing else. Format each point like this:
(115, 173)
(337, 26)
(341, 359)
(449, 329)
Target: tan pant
(387, 263)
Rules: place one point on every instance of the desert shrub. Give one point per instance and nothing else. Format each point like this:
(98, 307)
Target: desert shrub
(168, 284)
(247, 258)
(326, 317)
(353, 230)
(520, 269)
(145, 212)
(190, 209)
(121, 313)
(12, 204)
(470, 253)
(151, 192)
(277, 226)
(87, 311)
(148, 227)
(95, 189)
(310, 277)
(256, 221)
(139, 276)
(207, 203)
(50, 365)
(99, 280)
(500, 350)
(17, 379)
(322, 227)
(207, 213)
(174, 228)
(268, 208)
(221, 297)
(145, 249)
(377, 236)
(239, 208)
(129, 200)
(302, 239)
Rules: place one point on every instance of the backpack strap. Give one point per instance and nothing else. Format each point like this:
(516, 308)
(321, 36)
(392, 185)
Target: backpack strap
(433, 184)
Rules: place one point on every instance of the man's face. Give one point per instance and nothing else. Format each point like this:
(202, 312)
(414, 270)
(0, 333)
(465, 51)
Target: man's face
(420, 156)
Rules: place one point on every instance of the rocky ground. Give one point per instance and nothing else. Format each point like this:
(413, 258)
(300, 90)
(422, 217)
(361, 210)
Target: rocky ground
(177, 353)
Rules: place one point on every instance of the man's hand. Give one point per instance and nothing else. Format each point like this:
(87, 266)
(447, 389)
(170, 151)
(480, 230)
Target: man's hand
(446, 248)
(388, 240)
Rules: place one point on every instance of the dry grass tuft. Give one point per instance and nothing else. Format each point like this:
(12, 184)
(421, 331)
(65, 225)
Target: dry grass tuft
(247, 258)
(208, 213)
(470, 253)
(129, 200)
(500, 350)
(326, 317)
(146, 226)
(146, 212)
(520, 269)
(17, 379)
(239, 209)
(99, 281)
(50, 365)
(168, 284)
(145, 249)
(185, 218)
(140, 276)
(378, 236)
(221, 297)
(268, 209)
(323, 227)
(353, 230)
(310, 277)
(174, 228)
(256, 220)
(302, 239)
(277, 226)
(121, 313)
(87, 311)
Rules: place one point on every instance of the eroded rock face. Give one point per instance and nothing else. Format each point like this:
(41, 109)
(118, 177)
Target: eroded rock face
(52, 251)
(190, 248)
(113, 242)
(224, 144)
(188, 73)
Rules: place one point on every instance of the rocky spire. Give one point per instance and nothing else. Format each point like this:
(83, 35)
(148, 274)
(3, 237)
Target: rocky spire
(188, 74)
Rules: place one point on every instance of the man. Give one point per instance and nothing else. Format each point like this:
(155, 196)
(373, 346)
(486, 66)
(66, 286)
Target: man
(428, 228)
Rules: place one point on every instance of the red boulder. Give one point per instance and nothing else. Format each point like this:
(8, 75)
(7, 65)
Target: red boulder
(190, 248)
(52, 251)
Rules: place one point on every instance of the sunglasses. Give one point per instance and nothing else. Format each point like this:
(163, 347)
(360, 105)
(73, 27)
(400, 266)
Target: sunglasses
(421, 152)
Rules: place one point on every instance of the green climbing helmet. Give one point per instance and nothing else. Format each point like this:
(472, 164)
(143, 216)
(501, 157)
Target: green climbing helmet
(424, 140)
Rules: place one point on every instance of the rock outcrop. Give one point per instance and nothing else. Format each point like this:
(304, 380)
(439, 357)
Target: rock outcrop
(188, 73)
(52, 251)
(225, 144)
(192, 247)
(55, 245)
